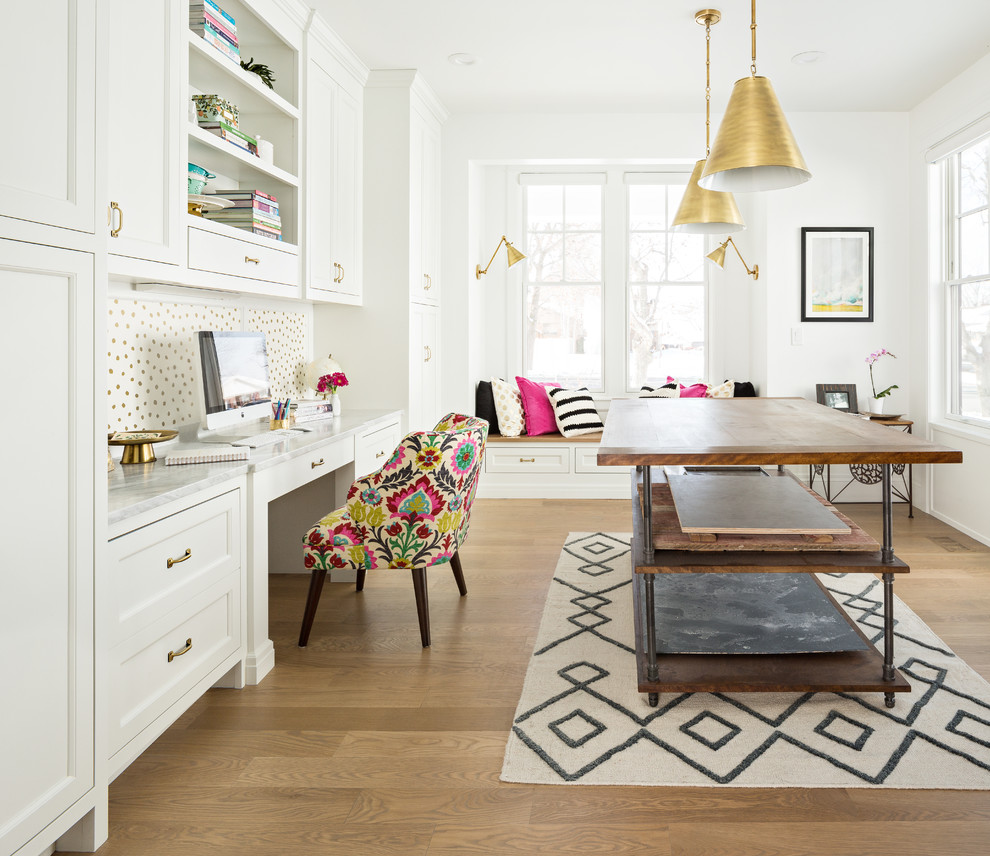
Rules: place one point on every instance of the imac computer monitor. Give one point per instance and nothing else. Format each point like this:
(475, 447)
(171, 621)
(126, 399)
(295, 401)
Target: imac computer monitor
(234, 373)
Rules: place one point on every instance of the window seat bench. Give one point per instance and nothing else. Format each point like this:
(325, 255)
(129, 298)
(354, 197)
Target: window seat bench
(549, 466)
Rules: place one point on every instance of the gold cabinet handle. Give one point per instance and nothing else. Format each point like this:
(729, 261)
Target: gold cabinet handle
(248, 259)
(429, 282)
(173, 654)
(429, 354)
(182, 558)
(120, 219)
(336, 275)
(314, 464)
(343, 273)
(527, 460)
(380, 455)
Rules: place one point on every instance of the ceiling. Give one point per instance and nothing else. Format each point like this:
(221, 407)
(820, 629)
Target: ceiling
(638, 56)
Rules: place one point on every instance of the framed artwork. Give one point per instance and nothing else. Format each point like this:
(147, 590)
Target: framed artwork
(836, 273)
(838, 396)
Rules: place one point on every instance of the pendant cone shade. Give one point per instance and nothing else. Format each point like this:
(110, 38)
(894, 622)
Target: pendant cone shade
(754, 148)
(706, 212)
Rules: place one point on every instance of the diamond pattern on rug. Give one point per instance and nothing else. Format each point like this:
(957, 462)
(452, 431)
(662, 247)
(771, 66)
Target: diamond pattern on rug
(581, 718)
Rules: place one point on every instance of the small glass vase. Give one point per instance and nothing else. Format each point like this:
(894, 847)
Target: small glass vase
(876, 405)
(335, 404)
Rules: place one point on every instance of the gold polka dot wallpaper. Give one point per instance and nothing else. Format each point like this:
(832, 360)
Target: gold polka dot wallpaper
(151, 354)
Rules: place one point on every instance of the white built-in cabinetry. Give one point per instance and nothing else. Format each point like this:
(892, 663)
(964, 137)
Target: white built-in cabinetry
(403, 118)
(47, 171)
(334, 83)
(146, 192)
(50, 545)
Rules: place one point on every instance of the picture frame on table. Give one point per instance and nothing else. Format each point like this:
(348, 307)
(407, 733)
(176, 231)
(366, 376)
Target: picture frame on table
(836, 273)
(838, 396)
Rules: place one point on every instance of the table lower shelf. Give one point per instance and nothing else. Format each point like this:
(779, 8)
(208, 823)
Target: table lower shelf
(846, 671)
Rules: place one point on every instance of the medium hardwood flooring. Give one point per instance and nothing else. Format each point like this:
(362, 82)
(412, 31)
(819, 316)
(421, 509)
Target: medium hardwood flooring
(365, 743)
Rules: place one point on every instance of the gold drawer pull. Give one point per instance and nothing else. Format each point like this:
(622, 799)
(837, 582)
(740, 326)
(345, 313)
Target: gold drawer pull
(173, 654)
(527, 460)
(380, 455)
(429, 353)
(120, 219)
(248, 259)
(343, 273)
(429, 282)
(182, 558)
(314, 464)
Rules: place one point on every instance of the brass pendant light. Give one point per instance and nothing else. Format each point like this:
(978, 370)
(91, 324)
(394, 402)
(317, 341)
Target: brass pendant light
(754, 148)
(706, 212)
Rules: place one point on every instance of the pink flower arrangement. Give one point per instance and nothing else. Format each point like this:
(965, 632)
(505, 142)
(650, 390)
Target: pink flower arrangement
(330, 383)
(871, 359)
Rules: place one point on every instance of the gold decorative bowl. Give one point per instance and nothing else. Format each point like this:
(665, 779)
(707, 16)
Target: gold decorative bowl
(138, 444)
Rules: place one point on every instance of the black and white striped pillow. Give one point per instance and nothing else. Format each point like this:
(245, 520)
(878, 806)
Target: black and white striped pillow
(575, 412)
(668, 390)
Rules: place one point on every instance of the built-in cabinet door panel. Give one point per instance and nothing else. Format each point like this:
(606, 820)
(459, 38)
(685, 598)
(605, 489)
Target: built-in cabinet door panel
(424, 206)
(46, 607)
(334, 133)
(146, 176)
(48, 153)
(424, 361)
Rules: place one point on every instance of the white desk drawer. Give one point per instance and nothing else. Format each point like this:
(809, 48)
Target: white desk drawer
(145, 682)
(512, 458)
(156, 568)
(586, 461)
(224, 254)
(315, 463)
(373, 449)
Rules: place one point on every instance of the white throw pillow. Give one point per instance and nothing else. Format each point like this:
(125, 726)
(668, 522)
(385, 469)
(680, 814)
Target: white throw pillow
(508, 408)
(723, 390)
(575, 411)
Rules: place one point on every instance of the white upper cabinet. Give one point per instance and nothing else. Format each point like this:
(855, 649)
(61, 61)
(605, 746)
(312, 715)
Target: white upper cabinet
(333, 178)
(424, 173)
(146, 180)
(48, 149)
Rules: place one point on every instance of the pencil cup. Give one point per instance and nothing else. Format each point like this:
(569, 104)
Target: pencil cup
(275, 424)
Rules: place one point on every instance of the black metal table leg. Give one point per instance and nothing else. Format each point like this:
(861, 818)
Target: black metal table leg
(648, 513)
(887, 555)
(652, 672)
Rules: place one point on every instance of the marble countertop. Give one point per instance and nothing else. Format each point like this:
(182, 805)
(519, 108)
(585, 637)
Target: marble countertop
(133, 489)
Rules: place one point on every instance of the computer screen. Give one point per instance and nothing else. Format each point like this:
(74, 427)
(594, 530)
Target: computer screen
(235, 384)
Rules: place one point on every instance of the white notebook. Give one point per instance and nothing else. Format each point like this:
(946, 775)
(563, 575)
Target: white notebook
(204, 453)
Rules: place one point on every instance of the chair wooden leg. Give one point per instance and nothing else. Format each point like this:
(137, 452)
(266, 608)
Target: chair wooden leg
(312, 601)
(455, 564)
(422, 604)
(361, 574)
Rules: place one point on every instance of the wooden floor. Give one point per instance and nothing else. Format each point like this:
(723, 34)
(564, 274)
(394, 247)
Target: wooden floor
(365, 743)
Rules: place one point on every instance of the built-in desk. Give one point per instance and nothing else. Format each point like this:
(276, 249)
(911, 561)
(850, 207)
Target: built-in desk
(141, 494)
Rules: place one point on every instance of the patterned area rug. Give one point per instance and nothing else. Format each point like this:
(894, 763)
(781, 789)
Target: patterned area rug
(581, 720)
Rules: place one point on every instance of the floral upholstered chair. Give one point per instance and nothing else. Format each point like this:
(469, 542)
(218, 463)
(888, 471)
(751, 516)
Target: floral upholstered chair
(412, 514)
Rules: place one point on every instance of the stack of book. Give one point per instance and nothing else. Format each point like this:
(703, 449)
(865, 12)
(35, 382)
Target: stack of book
(232, 135)
(254, 211)
(309, 410)
(216, 27)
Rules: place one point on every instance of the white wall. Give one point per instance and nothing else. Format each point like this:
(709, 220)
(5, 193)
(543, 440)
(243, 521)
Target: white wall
(958, 494)
(858, 161)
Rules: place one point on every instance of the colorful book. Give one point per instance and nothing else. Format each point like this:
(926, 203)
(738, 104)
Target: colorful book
(257, 205)
(257, 230)
(221, 45)
(247, 194)
(231, 135)
(221, 13)
(229, 217)
(208, 21)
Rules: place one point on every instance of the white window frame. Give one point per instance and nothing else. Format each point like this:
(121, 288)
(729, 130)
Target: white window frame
(947, 170)
(615, 284)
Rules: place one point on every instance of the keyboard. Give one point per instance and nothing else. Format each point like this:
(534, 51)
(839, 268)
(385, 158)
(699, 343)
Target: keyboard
(267, 438)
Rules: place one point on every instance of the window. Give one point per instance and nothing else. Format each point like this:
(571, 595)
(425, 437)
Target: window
(665, 284)
(967, 196)
(611, 298)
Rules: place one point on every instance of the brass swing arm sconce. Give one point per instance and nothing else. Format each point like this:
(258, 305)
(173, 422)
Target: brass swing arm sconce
(511, 253)
(718, 256)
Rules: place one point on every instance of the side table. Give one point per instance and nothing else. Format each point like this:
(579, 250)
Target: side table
(871, 473)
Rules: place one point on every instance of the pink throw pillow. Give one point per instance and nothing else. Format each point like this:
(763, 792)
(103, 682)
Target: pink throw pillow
(696, 390)
(537, 410)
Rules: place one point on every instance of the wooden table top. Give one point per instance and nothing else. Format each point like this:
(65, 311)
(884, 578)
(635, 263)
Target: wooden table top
(658, 431)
